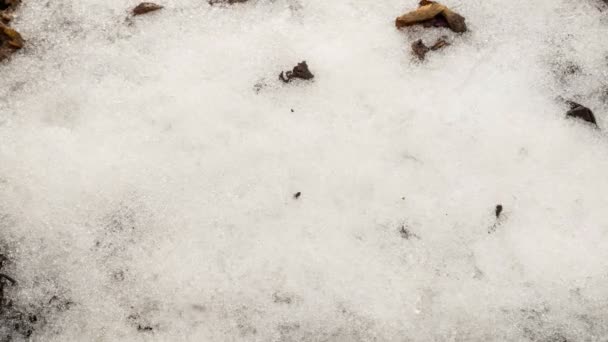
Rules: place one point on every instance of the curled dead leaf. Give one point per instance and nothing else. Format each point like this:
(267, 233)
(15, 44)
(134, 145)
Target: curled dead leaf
(432, 13)
(146, 7)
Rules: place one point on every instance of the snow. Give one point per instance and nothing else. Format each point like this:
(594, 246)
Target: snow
(147, 184)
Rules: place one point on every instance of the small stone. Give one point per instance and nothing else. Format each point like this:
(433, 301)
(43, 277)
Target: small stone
(297, 195)
(146, 7)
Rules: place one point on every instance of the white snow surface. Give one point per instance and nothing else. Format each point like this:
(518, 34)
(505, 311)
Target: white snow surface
(148, 166)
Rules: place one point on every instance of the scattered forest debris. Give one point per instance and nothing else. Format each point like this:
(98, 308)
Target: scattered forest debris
(433, 14)
(281, 298)
(13, 321)
(139, 323)
(407, 234)
(420, 49)
(229, 2)
(581, 112)
(497, 211)
(570, 68)
(19, 320)
(4, 280)
(299, 71)
(261, 84)
(493, 228)
(146, 7)
(144, 328)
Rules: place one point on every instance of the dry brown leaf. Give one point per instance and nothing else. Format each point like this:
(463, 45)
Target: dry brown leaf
(430, 11)
(455, 20)
(146, 7)
(10, 37)
(423, 13)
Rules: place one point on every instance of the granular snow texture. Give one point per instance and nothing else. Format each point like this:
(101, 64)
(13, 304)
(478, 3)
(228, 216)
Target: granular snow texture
(148, 168)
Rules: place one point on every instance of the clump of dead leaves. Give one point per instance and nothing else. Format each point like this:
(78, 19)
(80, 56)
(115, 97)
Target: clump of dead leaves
(431, 14)
(10, 40)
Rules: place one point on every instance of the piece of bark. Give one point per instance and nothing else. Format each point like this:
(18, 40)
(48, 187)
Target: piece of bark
(432, 13)
(146, 7)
